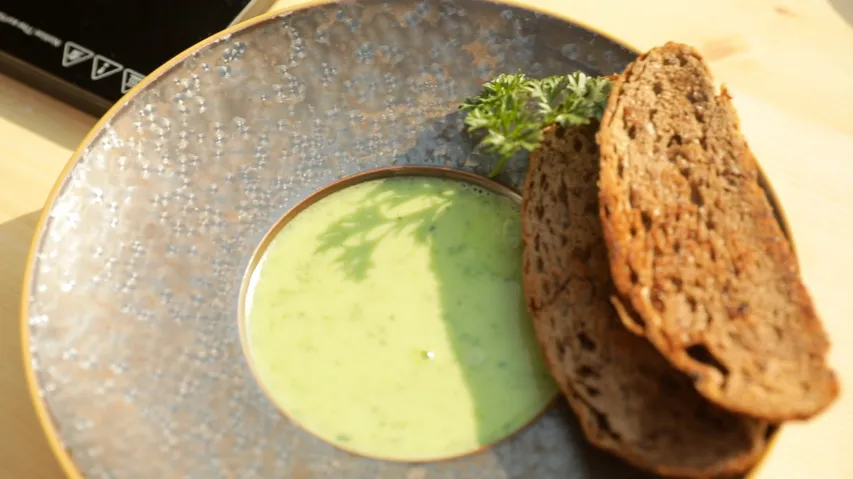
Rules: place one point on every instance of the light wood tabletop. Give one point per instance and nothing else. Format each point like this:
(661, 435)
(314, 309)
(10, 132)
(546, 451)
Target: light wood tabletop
(788, 64)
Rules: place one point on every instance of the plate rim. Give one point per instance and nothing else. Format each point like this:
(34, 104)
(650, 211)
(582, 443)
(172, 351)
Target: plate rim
(43, 415)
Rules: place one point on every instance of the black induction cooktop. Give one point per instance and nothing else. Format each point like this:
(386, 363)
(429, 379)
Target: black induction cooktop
(91, 52)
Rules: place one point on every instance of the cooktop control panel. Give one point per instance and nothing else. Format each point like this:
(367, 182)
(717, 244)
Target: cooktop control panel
(89, 53)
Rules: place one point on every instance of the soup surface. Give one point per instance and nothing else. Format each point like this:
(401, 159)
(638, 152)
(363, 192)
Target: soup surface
(388, 319)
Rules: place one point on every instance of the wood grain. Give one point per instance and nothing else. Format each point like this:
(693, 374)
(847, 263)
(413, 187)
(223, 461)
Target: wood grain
(768, 52)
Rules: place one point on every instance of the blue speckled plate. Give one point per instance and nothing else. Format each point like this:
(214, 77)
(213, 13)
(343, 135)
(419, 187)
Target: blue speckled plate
(134, 278)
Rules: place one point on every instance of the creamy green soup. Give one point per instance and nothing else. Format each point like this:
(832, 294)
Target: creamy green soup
(388, 319)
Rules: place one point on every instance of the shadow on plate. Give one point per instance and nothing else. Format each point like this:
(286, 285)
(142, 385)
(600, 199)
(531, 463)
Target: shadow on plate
(444, 143)
(353, 241)
(844, 8)
(18, 420)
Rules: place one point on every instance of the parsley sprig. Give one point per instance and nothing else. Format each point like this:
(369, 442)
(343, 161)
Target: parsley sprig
(514, 108)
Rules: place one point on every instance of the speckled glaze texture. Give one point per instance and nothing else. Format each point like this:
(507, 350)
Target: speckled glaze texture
(133, 299)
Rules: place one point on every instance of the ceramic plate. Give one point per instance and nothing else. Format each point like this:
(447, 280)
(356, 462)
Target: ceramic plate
(132, 288)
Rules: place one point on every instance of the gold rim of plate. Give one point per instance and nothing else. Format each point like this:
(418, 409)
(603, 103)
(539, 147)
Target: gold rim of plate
(52, 434)
(408, 171)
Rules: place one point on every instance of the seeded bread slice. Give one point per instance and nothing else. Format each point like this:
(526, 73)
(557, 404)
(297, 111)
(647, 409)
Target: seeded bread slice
(695, 247)
(628, 398)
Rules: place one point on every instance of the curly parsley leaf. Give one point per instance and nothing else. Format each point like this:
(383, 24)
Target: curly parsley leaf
(513, 109)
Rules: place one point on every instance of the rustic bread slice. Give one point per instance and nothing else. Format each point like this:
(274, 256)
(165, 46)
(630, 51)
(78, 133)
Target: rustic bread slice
(551, 180)
(696, 249)
(629, 399)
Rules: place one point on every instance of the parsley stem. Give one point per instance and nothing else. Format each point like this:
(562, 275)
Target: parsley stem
(499, 166)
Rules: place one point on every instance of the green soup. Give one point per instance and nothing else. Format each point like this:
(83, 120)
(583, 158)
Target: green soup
(388, 319)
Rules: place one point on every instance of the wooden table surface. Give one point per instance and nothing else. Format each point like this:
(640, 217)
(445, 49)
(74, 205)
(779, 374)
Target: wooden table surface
(789, 64)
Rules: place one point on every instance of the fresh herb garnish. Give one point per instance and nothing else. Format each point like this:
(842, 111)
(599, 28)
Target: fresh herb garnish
(514, 108)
